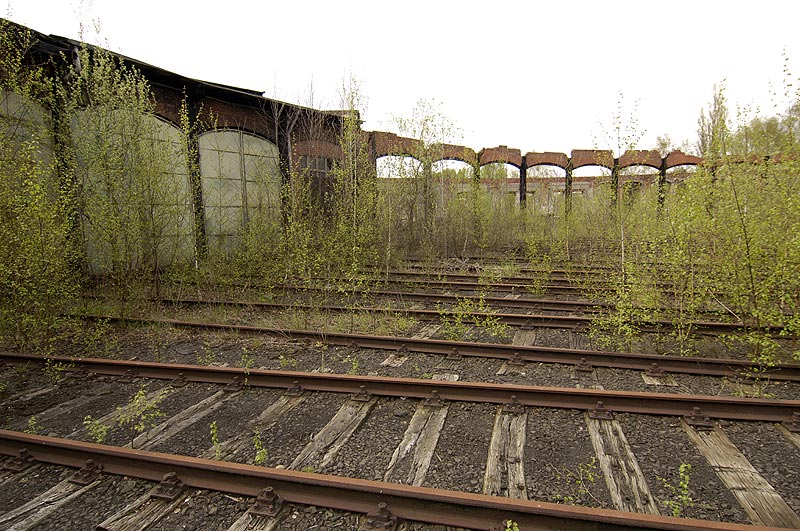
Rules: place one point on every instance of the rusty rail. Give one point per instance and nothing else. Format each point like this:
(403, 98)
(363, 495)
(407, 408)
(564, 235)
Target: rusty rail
(537, 354)
(732, 408)
(420, 504)
(558, 277)
(499, 287)
(513, 319)
(524, 303)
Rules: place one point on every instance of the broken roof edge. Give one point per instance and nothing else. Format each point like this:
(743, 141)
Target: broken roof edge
(54, 45)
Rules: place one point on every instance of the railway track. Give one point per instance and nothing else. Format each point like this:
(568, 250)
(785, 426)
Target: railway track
(526, 303)
(716, 407)
(366, 407)
(524, 287)
(581, 358)
(369, 452)
(383, 504)
(581, 322)
(488, 277)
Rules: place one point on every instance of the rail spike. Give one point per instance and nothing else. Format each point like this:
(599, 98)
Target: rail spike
(362, 395)
(699, 421)
(516, 360)
(655, 371)
(89, 473)
(599, 412)
(514, 407)
(295, 390)
(233, 386)
(180, 381)
(169, 488)
(267, 504)
(382, 520)
(454, 355)
(583, 366)
(434, 400)
(19, 462)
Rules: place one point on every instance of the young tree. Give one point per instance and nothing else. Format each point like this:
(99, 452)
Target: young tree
(37, 283)
(127, 189)
(713, 128)
(429, 126)
(355, 189)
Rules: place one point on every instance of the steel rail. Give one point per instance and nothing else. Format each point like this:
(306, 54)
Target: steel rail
(718, 407)
(476, 278)
(566, 279)
(537, 354)
(558, 289)
(446, 285)
(421, 296)
(430, 298)
(512, 319)
(522, 267)
(419, 504)
(525, 303)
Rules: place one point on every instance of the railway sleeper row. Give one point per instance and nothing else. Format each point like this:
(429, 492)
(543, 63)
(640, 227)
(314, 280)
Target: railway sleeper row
(504, 463)
(511, 319)
(519, 351)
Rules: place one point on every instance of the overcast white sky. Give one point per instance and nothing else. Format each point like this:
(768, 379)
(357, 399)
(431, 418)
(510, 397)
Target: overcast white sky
(539, 76)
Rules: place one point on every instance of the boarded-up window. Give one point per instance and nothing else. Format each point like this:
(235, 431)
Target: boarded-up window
(241, 180)
(318, 171)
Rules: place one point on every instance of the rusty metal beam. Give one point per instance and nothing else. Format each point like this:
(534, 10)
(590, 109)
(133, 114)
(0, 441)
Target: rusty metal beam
(513, 319)
(538, 354)
(733, 408)
(420, 504)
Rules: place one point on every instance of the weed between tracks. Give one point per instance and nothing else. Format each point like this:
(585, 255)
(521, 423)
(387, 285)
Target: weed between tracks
(261, 452)
(214, 431)
(579, 483)
(350, 322)
(141, 413)
(460, 324)
(96, 429)
(33, 426)
(681, 499)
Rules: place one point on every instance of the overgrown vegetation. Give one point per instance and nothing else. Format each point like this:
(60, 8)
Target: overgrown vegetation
(214, 431)
(460, 322)
(97, 192)
(579, 483)
(680, 500)
(142, 412)
(96, 429)
(261, 453)
(37, 280)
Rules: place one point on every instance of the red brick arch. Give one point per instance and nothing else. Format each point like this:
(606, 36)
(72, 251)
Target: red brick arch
(502, 154)
(388, 144)
(640, 157)
(548, 158)
(679, 158)
(592, 157)
(459, 153)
